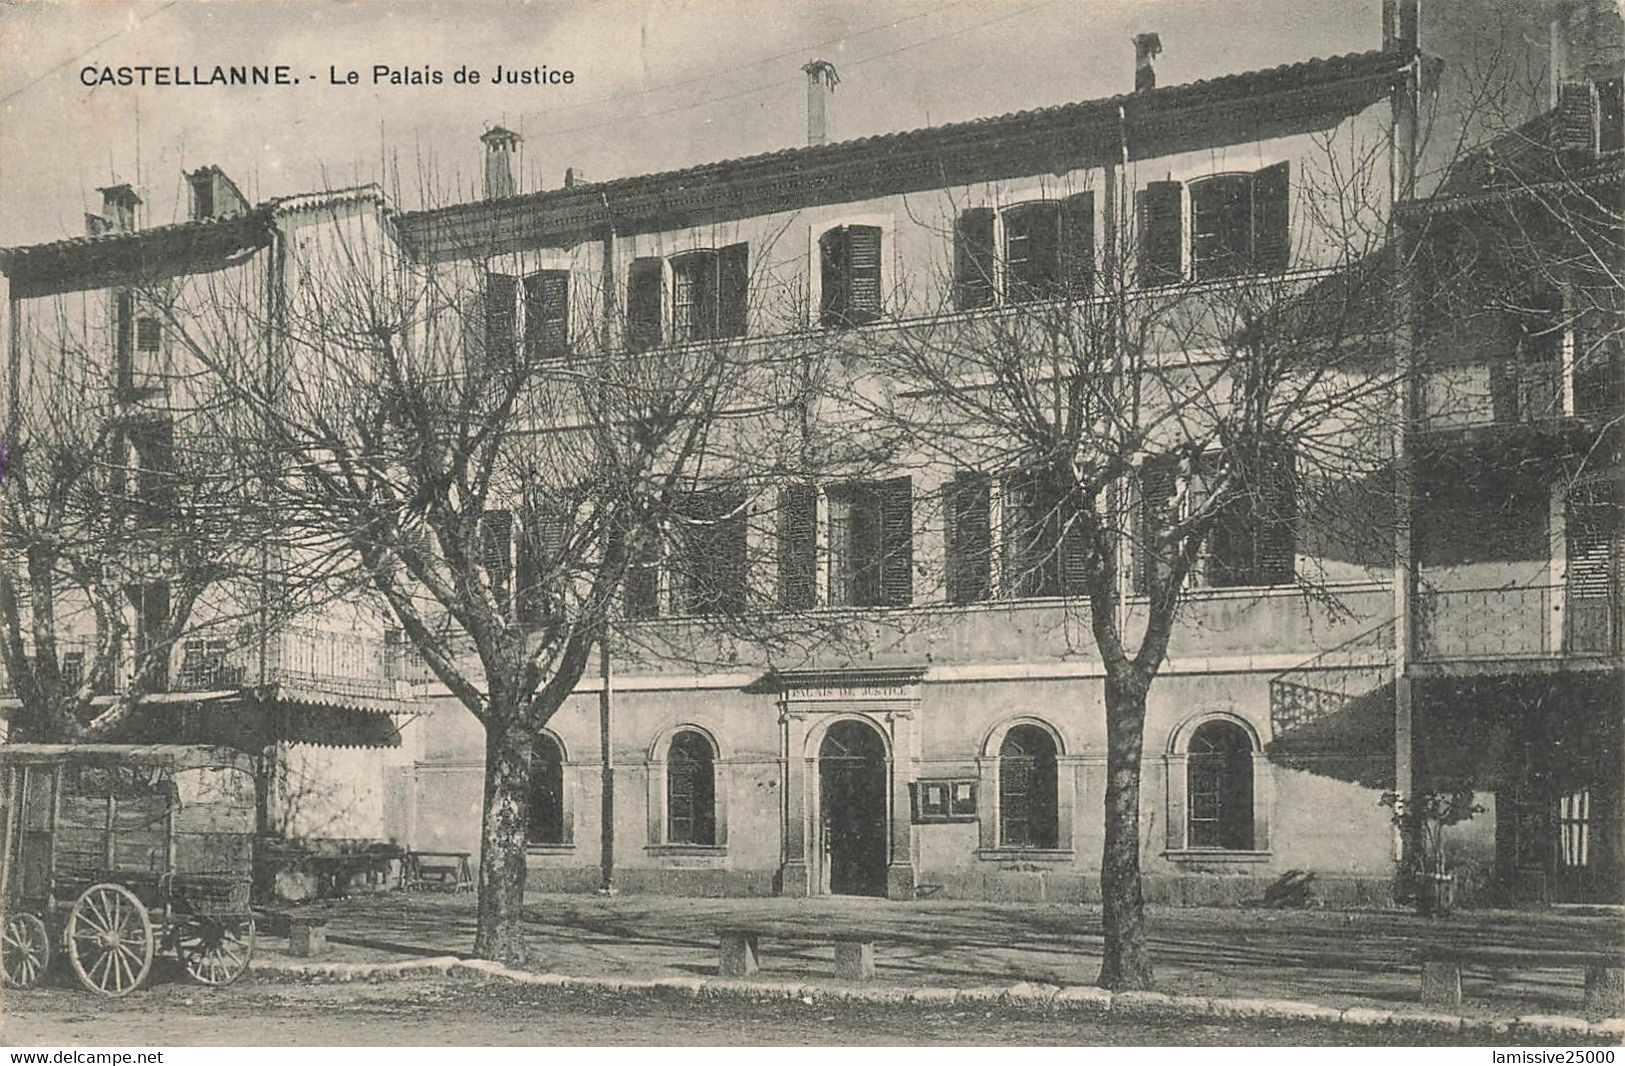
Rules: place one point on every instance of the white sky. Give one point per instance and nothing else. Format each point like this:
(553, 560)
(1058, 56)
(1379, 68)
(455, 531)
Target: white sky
(902, 65)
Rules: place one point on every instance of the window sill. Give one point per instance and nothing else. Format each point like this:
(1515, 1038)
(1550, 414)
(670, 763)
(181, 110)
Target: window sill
(1215, 855)
(1026, 854)
(550, 849)
(717, 850)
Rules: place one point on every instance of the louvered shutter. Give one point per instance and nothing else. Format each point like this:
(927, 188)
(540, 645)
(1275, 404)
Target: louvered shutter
(863, 274)
(1275, 538)
(834, 272)
(798, 547)
(538, 557)
(496, 552)
(501, 294)
(1272, 214)
(973, 259)
(124, 339)
(547, 314)
(733, 290)
(713, 552)
(1155, 489)
(1078, 245)
(1576, 123)
(864, 540)
(643, 576)
(970, 537)
(644, 287)
(1161, 255)
(897, 541)
(1074, 548)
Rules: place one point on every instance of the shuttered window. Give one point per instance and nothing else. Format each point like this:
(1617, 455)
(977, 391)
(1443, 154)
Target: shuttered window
(967, 501)
(1028, 793)
(1078, 246)
(501, 308)
(1161, 224)
(538, 555)
(849, 258)
(1154, 490)
(710, 294)
(871, 543)
(496, 553)
(1044, 551)
(798, 547)
(1032, 252)
(1240, 223)
(643, 576)
(153, 441)
(1255, 539)
(974, 253)
(645, 287)
(148, 335)
(547, 314)
(691, 815)
(709, 567)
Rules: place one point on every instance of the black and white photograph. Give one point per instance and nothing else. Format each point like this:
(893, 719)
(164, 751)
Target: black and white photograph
(985, 523)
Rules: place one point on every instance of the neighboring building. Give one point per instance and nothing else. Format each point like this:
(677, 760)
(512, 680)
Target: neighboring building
(318, 696)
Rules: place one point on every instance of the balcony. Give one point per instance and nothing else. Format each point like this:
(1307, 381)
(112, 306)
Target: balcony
(1510, 629)
(351, 665)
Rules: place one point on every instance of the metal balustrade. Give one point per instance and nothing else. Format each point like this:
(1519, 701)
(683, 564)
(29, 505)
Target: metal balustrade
(1522, 622)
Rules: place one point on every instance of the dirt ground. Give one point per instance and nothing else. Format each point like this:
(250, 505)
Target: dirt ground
(1336, 958)
(453, 1013)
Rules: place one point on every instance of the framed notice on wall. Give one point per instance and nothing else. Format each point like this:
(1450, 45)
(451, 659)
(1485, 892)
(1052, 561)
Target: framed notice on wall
(945, 800)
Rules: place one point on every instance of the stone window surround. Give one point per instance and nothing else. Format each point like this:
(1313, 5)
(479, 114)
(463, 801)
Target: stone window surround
(989, 847)
(570, 773)
(655, 761)
(1176, 764)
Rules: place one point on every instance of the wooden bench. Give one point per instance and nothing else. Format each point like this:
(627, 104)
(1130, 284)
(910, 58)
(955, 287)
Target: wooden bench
(1604, 972)
(740, 947)
(446, 870)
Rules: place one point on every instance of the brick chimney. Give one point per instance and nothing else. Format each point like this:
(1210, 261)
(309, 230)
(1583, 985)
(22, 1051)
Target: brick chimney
(821, 82)
(1147, 46)
(500, 147)
(121, 208)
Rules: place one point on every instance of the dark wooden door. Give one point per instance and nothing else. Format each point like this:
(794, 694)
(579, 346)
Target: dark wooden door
(852, 798)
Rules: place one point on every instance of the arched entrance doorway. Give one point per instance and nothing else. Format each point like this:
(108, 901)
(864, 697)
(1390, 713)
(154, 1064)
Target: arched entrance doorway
(852, 807)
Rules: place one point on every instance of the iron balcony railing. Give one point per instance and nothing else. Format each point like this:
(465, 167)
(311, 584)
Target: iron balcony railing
(1522, 622)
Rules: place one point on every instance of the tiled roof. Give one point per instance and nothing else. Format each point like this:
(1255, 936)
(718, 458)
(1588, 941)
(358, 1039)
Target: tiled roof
(1062, 120)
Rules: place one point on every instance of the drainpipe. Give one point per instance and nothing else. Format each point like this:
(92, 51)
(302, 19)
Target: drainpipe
(606, 807)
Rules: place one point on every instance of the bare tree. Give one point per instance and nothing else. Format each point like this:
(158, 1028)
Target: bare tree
(127, 523)
(1141, 433)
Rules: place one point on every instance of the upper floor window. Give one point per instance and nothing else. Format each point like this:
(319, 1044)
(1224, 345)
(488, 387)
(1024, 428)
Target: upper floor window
(547, 314)
(871, 543)
(695, 564)
(1044, 552)
(148, 335)
(501, 294)
(709, 297)
(967, 506)
(1253, 539)
(1239, 225)
(849, 262)
(691, 814)
(1040, 250)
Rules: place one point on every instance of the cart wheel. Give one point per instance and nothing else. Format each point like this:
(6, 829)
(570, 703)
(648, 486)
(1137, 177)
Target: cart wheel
(215, 950)
(109, 938)
(25, 951)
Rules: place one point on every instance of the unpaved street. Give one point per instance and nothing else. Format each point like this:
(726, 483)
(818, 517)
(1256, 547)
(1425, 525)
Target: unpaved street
(469, 1013)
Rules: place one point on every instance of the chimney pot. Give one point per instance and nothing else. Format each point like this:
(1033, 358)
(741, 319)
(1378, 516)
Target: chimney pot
(1147, 46)
(821, 82)
(120, 208)
(500, 146)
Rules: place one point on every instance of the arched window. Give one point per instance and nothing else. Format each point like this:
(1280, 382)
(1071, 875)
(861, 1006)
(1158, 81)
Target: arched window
(1028, 816)
(691, 809)
(1219, 786)
(546, 824)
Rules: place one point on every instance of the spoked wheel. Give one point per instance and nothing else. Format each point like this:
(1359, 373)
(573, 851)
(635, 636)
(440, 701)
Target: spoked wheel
(215, 950)
(109, 938)
(25, 951)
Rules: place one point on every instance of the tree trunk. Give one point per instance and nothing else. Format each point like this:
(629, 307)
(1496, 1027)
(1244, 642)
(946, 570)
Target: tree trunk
(1127, 960)
(500, 934)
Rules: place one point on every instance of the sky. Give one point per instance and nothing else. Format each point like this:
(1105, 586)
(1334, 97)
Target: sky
(658, 84)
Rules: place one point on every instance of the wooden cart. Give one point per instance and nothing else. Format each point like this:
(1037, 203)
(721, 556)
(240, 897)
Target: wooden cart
(112, 853)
